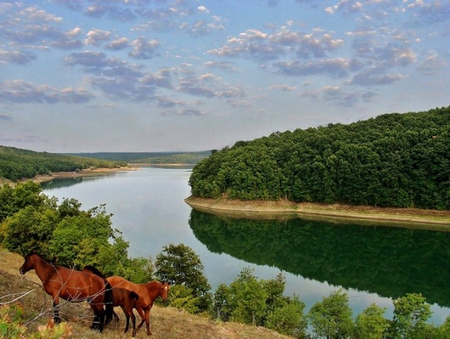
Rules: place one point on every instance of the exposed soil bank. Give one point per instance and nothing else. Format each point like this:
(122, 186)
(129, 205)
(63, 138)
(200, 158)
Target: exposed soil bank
(411, 217)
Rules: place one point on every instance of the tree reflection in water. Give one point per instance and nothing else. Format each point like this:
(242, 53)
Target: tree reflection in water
(389, 261)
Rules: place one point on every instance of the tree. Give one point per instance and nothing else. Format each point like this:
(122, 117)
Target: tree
(371, 324)
(222, 307)
(288, 318)
(411, 314)
(180, 264)
(248, 299)
(30, 229)
(332, 318)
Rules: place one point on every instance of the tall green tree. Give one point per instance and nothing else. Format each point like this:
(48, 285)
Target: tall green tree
(371, 324)
(248, 299)
(411, 314)
(288, 318)
(332, 317)
(181, 265)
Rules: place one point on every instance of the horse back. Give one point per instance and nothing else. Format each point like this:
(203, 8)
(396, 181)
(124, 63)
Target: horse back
(73, 285)
(144, 299)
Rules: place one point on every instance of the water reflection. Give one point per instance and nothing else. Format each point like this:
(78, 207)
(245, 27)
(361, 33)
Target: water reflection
(58, 183)
(388, 261)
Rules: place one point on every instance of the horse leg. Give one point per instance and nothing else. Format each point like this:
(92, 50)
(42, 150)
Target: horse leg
(133, 321)
(141, 313)
(127, 317)
(147, 320)
(56, 317)
(99, 317)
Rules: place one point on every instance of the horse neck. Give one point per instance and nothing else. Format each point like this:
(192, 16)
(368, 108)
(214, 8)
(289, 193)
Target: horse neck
(42, 268)
(153, 289)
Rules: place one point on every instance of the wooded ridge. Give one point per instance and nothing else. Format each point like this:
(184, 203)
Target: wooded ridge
(393, 160)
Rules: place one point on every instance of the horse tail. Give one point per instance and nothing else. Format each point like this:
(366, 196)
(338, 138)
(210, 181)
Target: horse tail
(109, 302)
(134, 295)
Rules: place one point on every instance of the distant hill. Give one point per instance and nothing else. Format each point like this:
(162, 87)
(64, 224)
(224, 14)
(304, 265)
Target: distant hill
(16, 163)
(189, 158)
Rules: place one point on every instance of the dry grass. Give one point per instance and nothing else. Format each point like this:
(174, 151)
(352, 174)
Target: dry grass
(166, 323)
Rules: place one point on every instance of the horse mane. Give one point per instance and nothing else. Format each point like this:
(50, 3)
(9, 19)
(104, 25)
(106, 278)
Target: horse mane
(94, 270)
(51, 262)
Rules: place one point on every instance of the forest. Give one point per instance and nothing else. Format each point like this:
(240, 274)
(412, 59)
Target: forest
(16, 164)
(393, 160)
(151, 158)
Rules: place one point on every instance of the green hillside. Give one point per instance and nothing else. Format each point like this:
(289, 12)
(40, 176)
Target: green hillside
(393, 160)
(189, 158)
(16, 164)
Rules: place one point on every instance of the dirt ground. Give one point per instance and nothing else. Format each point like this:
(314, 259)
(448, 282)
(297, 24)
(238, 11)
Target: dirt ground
(430, 219)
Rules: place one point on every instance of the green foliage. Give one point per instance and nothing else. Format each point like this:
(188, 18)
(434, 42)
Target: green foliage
(371, 324)
(287, 318)
(180, 264)
(66, 234)
(411, 314)
(16, 163)
(248, 299)
(260, 302)
(10, 326)
(332, 317)
(188, 158)
(396, 160)
(182, 297)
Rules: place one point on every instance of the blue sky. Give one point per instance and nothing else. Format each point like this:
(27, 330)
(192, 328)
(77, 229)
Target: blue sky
(157, 75)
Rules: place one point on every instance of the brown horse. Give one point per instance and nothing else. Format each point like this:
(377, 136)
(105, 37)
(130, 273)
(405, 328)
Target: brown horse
(73, 286)
(147, 294)
(121, 297)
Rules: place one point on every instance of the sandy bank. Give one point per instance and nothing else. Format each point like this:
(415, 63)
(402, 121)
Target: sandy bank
(429, 219)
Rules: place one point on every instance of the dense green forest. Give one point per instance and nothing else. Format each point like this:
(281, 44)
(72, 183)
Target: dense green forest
(393, 160)
(189, 158)
(16, 163)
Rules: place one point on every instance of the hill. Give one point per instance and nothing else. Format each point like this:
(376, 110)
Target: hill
(16, 163)
(157, 158)
(393, 160)
(165, 322)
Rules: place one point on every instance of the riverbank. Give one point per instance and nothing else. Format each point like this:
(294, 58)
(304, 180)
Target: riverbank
(283, 209)
(67, 175)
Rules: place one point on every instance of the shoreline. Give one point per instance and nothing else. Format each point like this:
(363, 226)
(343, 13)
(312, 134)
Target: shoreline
(284, 210)
(83, 173)
(41, 178)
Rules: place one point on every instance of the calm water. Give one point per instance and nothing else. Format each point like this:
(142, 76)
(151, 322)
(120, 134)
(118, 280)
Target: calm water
(373, 264)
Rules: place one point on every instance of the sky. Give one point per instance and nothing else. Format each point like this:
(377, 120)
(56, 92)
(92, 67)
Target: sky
(186, 75)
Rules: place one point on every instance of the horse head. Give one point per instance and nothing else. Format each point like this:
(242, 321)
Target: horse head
(164, 290)
(28, 263)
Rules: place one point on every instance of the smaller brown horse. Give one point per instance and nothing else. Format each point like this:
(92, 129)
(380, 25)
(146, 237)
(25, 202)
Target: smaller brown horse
(127, 301)
(147, 294)
(121, 297)
(72, 285)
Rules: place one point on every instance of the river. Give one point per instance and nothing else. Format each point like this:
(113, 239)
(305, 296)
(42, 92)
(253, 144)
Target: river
(372, 264)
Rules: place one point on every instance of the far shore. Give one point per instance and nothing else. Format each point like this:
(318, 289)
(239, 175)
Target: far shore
(67, 175)
(83, 173)
(283, 209)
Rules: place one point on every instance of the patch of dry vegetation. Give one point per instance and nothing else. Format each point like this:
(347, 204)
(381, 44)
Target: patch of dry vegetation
(166, 323)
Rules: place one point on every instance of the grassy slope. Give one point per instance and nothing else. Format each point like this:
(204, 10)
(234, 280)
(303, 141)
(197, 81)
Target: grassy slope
(165, 322)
